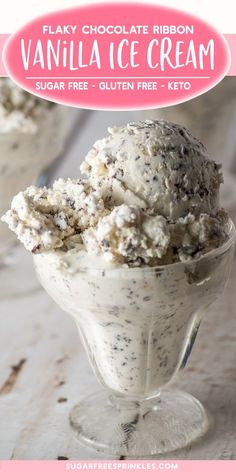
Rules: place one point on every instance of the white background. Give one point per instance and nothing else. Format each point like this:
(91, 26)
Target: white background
(220, 13)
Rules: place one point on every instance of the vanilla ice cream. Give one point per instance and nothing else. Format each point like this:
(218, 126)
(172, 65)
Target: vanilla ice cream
(138, 324)
(159, 162)
(32, 134)
(151, 196)
(127, 250)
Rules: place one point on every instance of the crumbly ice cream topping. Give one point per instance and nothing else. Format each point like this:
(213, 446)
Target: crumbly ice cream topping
(151, 197)
(44, 218)
(18, 108)
(126, 233)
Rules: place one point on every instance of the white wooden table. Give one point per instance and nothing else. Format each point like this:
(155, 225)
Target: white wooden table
(44, 372)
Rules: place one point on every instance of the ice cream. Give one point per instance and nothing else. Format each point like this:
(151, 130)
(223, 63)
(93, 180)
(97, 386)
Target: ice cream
(151, 196)
(159, 162)
(138, 324)
(32, 134)
(127, 250)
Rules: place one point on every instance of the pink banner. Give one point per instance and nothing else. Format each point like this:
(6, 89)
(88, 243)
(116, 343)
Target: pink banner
(3, 39)
(231, 39)
(76, 57)
(61, 466)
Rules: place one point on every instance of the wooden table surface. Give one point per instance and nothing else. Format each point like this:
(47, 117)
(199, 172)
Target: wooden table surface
(44, 372)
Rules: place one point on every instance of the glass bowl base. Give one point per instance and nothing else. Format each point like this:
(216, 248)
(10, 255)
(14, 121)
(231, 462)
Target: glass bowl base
(117, 426)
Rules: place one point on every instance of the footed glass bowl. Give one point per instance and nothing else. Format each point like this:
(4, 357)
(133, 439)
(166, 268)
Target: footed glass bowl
(23, 157)
(138, 326)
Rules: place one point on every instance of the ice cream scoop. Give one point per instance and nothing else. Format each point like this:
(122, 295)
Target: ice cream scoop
(159, 162)
(33, 133)
(151, 197)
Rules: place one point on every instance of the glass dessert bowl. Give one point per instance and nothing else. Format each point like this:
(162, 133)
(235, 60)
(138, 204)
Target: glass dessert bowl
(33, 133)
(135, 253)
(138, 326)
